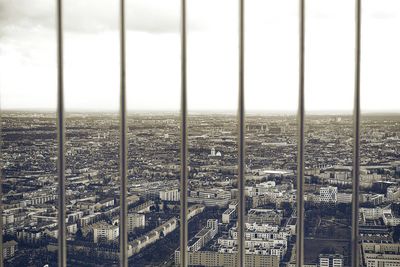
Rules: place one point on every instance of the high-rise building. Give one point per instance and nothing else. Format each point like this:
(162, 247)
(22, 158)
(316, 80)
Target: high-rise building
(212, 152)
(230, 213)
(135, 220)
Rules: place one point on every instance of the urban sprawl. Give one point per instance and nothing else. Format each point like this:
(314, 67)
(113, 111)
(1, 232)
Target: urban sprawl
(29, 185)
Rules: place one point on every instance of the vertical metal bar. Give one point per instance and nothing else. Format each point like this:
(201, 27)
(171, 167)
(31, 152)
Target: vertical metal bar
(123, 145)
(241, 145)
(356, 139)
(184, 148)
(300, 149)
(62, 248)
(1, 204)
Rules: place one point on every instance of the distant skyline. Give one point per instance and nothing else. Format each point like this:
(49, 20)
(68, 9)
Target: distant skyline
(345, 113)
(91, 46)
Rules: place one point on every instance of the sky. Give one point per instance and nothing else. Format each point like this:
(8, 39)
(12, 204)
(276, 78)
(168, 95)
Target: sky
(91, 55)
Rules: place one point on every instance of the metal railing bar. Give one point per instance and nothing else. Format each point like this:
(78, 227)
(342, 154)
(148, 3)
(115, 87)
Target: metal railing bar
(184, 147)
(62, 245)
(356, 139)
(123, 145)
(1, 201)
(300, 150)
(241, 144)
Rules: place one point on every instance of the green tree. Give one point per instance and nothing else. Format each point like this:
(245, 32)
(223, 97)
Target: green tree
(396, 233)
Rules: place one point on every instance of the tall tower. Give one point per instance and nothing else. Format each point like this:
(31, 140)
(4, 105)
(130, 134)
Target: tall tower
(213, 152)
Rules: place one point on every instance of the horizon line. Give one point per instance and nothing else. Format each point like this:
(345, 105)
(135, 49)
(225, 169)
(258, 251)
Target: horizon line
(206, 111)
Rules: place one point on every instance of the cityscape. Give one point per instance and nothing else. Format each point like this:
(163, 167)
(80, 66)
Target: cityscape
(29, 187)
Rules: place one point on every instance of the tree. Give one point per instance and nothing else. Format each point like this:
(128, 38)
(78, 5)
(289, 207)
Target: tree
(396, 233)
(328, 250)
(396, 208)
(287, 207)
(79, 234)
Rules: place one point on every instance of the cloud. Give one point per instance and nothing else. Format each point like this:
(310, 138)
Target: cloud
(382, 9)
(383, 15)
(28, 54)
(92, 16)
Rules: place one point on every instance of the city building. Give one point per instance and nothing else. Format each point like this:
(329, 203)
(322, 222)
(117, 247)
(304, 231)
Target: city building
(203, 236)
(216, 259)
(380, 255)
(194, 210)
(328, 194)
(170, 195)
(104, 232)
(331, 260)
(9, 249)
(154, 235)
(230, 213)
(211, 197)
(135, 220)
(265, 216)
(393, 193)
(375, 199)
(344, 198)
